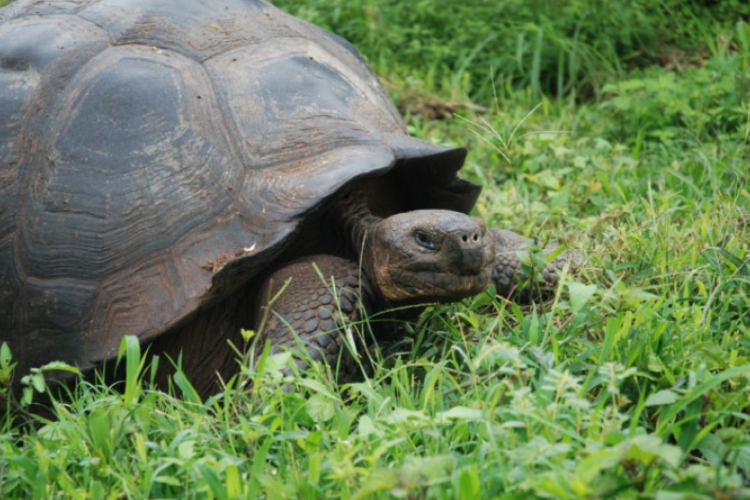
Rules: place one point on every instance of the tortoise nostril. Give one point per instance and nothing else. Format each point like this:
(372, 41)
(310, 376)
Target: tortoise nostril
(471, 239)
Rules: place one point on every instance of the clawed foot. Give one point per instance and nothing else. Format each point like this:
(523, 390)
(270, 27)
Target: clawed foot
(523, 273)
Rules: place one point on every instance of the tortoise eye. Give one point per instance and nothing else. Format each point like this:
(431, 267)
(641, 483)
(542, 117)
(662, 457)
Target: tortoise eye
(424, 241)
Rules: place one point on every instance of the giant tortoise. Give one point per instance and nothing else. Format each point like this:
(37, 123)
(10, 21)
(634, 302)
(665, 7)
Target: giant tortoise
(167, 167)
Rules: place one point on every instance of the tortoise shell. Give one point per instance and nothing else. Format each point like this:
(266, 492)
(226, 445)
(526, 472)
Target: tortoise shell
(155, 155)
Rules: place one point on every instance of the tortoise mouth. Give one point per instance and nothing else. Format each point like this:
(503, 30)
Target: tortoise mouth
(434, 286)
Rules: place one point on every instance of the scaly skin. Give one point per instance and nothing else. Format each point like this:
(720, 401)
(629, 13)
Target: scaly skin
(507, 275)
(310, 311)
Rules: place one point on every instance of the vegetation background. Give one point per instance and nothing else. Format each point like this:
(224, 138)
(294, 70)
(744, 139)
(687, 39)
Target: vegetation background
(620, 127)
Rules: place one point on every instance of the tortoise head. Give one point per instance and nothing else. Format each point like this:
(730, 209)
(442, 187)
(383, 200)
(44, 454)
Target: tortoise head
(429, 255)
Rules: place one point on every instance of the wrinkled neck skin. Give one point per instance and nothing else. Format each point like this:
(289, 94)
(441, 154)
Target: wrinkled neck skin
(354, 221)
(355, 224)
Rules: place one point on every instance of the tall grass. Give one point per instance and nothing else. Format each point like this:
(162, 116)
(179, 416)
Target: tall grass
(552, 47)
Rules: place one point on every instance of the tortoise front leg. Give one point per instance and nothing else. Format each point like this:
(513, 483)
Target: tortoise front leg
(509, 274)
(312, 309)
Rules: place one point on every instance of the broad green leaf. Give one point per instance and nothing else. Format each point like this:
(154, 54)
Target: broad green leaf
(663, 397)
(460, 413)
(37, 381)
(400, 415)
(320, 408)
(367, 427)
(186, 449)
(170, 480)
(275, 363)
(5, 355)
(580, 294)
(59, 365)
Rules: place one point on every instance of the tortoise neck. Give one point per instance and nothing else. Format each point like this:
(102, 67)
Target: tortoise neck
(354, 220)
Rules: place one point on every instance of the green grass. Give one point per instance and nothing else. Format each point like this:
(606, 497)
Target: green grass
(556, 47)
(633, 382)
